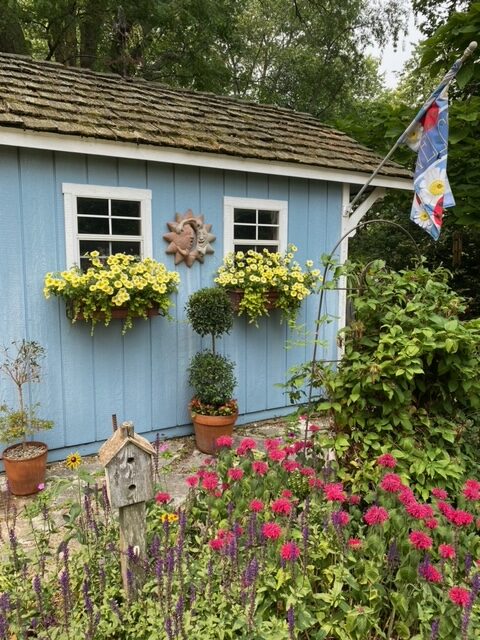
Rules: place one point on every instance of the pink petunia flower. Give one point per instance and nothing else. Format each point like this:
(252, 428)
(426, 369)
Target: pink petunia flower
(162, 498)
(235, 473)
(334, 492)
(391, 483)
(282, 506)
(446, 551)
(256, 505)
(420, 540)
(224, 441)
(271, 530)
(387, 460)
(290, 551)
(459, 596)
(375, 515)
(259, 467)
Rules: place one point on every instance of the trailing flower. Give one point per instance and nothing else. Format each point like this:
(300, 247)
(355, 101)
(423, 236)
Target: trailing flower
(119, 281)
(257, 275)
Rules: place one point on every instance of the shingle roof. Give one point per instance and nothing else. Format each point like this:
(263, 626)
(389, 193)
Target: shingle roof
(48, 97)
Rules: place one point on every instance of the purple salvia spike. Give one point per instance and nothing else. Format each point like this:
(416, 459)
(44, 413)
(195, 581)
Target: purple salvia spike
(291, 622)
(435, 630)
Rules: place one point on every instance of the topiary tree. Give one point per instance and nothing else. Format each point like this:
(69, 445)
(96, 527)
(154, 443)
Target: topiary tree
(209, 311)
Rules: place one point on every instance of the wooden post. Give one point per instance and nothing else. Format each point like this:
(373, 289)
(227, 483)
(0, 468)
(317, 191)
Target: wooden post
(128, 461)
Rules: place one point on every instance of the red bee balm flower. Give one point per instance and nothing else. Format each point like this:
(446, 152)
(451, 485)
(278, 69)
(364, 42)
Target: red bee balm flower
(391, 483)
(354, 543)
(290, 551)
(256, 506)
(192, 481)
(271, 530)
(162, 498)
(282, 506)
(441, 494)
(224, 441)
(260, 468)
(235, 473)
(446, 551)
(420, 540)
(471, 490)
(459, 595)
(247, 444)
(376, 515)
(334, 492)
(387, 460)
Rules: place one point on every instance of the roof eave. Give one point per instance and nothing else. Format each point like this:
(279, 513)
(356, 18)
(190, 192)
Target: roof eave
(10, 136)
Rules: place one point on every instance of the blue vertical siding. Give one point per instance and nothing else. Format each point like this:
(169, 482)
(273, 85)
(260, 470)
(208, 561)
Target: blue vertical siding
(142, 376)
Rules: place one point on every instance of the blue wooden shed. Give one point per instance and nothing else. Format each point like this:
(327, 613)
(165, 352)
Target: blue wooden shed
(71, 138)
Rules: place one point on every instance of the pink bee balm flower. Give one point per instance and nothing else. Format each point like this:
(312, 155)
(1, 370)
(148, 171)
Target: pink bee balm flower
(277, 455)
(224, 441)
(216, 544)
(340, 518)
(272, 443)
(419, 511)
(446, 551)
(286, 493)
(271, 530)
(282, 506)
(162, 498)
(192, 481)
(430, 574)
(440, 494)
(461, 518)
(307, 471)
(387, 460)
(210, 481)
(354, 500)
(391, 483)
(259, 467)
(235, 473)
(290, 465)
(375, 515)
(289, 551)
(420, 540)
(247, 444)
(334, 492)
(256, 506)
(406, 496)
(459, 596)
(431, 523)
(471, 490)
(354, 543)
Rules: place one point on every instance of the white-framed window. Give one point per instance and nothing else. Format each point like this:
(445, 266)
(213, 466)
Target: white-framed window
(108, 220)
(254, 223)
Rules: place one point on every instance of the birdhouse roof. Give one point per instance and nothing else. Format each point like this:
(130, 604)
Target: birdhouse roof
(117, 441)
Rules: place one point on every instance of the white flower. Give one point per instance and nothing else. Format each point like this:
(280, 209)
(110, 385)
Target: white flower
(422, 218)
(433, 186)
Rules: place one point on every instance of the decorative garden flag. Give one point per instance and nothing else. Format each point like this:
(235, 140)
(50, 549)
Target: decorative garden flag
(432, 190)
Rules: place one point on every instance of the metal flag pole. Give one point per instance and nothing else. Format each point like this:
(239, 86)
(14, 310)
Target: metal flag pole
(447, 79)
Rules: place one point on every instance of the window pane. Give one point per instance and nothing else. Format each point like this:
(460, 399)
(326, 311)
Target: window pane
(92, 225)
(245, 216)
(130, 248)
(243, 247)
(102, 247)
(267, 233)
(126, 227)
(126, 208)
(268, 217)
(270, 248)
(241, 232)
(92, 207)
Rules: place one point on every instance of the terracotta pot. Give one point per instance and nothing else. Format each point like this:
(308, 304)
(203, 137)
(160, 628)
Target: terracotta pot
(209, 428)
(236, 296)
(25, 474)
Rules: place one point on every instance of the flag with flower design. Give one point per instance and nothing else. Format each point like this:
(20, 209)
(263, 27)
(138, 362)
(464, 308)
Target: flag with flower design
(432, 190)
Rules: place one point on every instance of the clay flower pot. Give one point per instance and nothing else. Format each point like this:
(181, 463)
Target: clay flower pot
(25, 468)
(209, 428)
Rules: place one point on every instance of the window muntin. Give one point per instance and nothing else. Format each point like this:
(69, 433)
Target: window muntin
(255, 224)
(108, 220)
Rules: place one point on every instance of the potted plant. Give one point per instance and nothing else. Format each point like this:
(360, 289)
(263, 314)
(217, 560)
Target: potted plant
(25, 462)
(120, 286)
(260, 281)
(211, 375)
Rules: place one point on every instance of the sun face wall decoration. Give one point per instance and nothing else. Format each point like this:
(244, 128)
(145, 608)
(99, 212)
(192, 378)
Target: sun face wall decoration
(189, 238)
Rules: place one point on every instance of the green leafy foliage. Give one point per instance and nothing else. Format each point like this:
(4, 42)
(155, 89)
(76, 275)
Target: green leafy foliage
(212, 378)
(408, 377)
(209, 312)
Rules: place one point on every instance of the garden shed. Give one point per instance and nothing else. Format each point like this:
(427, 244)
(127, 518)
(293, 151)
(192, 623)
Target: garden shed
(70, 138)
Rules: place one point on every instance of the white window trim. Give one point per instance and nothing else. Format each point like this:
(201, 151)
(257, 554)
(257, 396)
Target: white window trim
(230, 203)
(72, 191)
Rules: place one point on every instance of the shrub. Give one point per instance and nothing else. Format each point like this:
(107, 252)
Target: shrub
(209, 312)
(212, 377)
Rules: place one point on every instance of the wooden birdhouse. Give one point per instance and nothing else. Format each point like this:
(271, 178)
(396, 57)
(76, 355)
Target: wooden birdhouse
(128, 462)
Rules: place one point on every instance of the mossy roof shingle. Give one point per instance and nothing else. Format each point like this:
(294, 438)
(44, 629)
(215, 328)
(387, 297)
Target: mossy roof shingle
(48, 97)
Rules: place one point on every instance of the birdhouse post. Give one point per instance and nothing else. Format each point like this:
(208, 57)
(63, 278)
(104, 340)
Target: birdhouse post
(128, 462)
